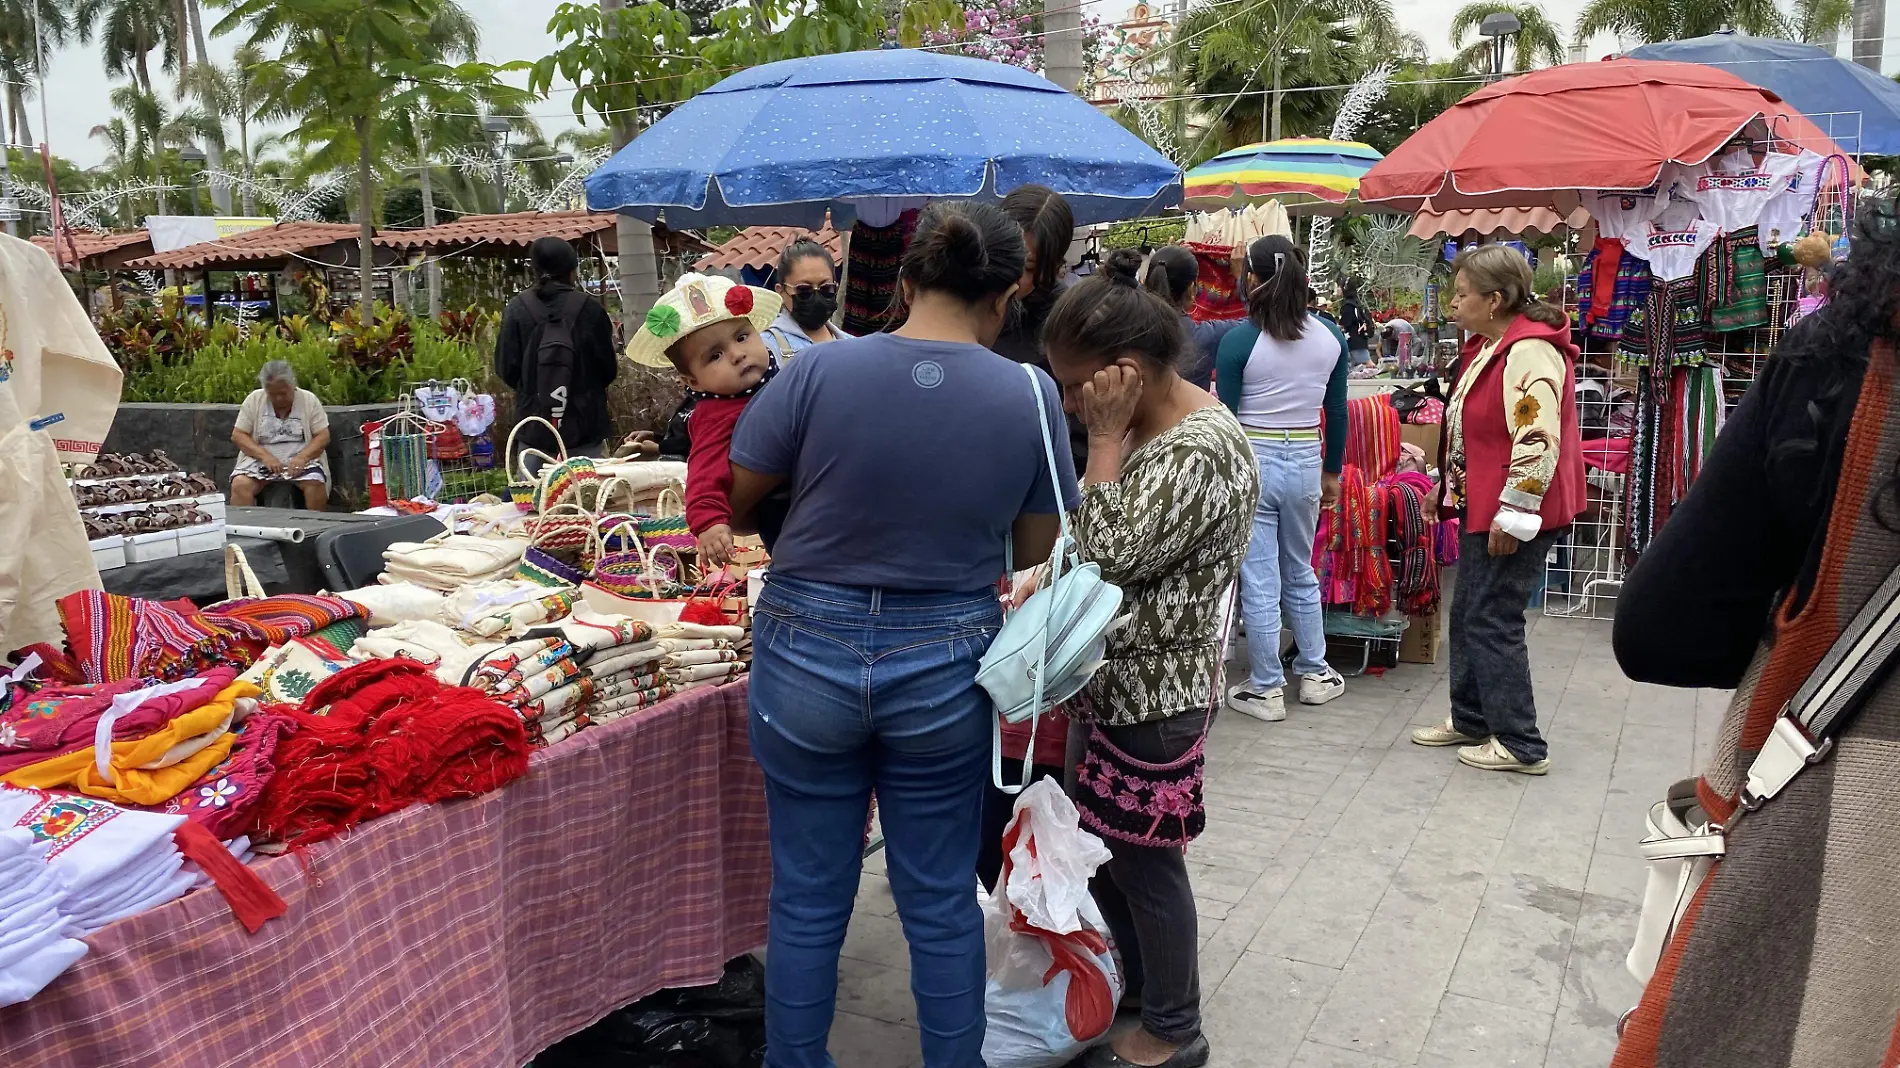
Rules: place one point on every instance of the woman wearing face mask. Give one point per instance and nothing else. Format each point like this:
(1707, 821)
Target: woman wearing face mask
(911, 456)
(807, 279)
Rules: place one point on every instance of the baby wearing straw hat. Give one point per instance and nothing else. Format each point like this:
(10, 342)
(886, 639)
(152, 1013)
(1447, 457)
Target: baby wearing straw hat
(709, 329)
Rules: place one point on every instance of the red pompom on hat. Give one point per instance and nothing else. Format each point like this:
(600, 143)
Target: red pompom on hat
(739, 300)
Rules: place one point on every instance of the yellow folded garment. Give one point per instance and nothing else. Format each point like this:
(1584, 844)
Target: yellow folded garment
(130, 782)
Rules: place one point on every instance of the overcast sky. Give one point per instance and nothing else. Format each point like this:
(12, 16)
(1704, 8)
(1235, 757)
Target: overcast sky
(512, 29)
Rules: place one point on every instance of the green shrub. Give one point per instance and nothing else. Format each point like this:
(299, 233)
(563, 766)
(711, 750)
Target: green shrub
(226, 372)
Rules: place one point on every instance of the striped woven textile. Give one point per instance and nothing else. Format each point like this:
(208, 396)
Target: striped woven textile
(1372, 436)
(1789, 956)
(471, 934)
(1216, 293)
(109, 637)
(276, 620)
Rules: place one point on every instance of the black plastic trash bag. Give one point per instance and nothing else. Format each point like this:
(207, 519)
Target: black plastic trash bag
(717, 1026)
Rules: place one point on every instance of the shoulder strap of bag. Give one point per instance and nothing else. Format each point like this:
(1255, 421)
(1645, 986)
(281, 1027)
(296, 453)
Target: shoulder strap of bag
(1056, 558)
(1832, 696)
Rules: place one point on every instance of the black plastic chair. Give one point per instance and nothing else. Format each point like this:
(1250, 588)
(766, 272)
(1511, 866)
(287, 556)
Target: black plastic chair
(352, 556)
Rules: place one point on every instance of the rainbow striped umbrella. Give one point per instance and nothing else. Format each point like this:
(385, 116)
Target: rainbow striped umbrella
(1296, 170)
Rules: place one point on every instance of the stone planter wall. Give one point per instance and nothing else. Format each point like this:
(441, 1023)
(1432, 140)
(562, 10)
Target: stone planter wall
(198, 438)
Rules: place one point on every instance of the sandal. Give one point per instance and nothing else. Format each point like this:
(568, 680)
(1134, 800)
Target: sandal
(163, 462)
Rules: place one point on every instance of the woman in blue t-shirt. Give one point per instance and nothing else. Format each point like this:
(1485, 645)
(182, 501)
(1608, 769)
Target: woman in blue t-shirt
(913, 457)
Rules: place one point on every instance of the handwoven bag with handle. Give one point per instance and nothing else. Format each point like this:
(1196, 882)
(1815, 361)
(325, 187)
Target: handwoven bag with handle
(521, 484)
(667, 525)
(554, 531)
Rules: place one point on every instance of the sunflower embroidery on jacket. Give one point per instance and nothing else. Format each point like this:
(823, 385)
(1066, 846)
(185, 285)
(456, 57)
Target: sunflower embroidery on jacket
(1533, 382)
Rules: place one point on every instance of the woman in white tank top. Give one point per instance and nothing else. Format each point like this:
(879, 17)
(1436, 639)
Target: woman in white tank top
(1277, 374)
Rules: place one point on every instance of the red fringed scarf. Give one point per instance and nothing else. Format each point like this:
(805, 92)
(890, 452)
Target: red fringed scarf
(381, 736)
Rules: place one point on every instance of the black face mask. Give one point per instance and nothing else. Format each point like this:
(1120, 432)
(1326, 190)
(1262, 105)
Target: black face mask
(813, 309)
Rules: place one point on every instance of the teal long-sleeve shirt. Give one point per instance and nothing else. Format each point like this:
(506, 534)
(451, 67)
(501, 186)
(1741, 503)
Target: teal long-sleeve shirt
(1230, 372)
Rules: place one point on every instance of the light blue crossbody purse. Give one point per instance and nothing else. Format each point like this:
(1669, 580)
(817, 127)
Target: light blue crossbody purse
(1051, 645)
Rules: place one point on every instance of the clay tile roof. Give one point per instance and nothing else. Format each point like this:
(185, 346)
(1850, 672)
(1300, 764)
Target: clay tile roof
(759, 246)
(511, 234)
(518, 229)
(95, 244)
(252, 248)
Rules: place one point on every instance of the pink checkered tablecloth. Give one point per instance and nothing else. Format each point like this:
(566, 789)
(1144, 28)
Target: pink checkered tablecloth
(472, 934)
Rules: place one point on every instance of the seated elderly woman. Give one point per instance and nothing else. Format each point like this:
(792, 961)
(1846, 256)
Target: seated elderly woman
(281, 432)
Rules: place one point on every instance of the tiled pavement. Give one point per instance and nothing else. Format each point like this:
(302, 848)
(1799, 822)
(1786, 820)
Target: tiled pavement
(1367, 903)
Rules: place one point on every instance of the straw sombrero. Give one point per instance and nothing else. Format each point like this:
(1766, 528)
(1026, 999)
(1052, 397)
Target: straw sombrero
(697, 301)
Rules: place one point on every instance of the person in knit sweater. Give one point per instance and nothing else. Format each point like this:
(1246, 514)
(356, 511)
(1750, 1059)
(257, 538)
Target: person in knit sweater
(1514, 472)
(710, 330)
(1789, 954)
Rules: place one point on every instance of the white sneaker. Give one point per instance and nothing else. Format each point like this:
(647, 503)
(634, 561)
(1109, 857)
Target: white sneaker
(1443, 734)
(1319, 689)
(1492, 756)
(1268, 707)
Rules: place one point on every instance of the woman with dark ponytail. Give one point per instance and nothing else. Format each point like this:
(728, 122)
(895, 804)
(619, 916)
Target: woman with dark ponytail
(914, 457)
(1167, 508)
(1279, 374)
(1172, 272)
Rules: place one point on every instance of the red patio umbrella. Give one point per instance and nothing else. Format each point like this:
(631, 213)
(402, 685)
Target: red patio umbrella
(1530, 141)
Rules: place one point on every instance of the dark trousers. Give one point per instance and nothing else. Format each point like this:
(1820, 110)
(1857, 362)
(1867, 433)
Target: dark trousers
(1490, 667)
(1144, 895)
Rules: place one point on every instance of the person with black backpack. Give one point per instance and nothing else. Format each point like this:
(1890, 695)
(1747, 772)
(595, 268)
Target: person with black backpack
(556, 351)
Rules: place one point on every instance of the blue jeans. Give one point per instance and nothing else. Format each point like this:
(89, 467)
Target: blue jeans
(855, 688)
(1279, 566)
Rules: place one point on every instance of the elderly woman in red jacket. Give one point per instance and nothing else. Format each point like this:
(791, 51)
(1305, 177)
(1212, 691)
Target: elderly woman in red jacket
(1514, 470)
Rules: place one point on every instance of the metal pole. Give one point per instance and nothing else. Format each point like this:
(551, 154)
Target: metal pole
(6, 177)
(1062, 47)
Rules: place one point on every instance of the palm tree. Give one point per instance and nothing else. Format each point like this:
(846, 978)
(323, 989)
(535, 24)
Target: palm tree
(20, 53)
(232, 93)
(1280, 46)
(129, 31)
(578, 140)
(1651, 21)
(343, 70)
(138, 138)
(1537, 41)
(1815, 21)
(1419, 93)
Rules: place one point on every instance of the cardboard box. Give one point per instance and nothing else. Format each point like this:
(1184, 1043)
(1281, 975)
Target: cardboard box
(1425, 436)
(1420, 642)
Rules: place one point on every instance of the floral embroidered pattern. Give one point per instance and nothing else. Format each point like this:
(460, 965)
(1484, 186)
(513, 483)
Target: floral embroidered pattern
(65, 821)
(218, 794)
(1120, 797)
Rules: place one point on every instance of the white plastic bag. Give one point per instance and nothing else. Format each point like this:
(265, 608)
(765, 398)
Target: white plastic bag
(1053, 986)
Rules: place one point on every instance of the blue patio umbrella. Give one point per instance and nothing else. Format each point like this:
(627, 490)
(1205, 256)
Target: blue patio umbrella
(1855, 106)
(872, 133)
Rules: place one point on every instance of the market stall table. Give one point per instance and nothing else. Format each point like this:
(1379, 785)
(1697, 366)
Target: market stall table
(631, 857)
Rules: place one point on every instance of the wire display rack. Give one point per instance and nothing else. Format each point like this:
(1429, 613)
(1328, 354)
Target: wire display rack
(1584, 572)
(456, 466)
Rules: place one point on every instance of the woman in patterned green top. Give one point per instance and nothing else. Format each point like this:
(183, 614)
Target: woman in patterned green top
(1167, 507)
